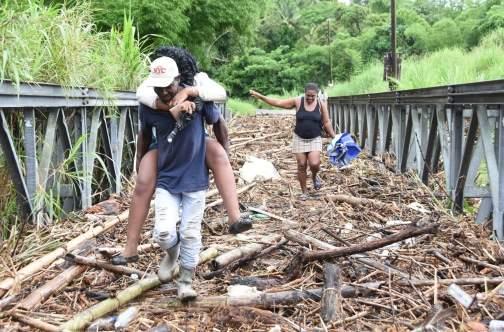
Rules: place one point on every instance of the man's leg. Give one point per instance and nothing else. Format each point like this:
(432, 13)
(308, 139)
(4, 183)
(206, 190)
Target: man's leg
(139, 208)
(165, 231)
(218, 161)
(193, 206)
(314, 164)
(301, 159)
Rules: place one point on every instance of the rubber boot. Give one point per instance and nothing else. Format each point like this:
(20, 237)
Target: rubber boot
(184, 283)
(169, 264)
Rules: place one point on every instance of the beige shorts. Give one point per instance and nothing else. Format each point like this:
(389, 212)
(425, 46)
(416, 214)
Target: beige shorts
(301, 145)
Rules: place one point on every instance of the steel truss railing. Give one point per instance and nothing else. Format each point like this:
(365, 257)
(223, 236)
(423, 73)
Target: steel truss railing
(42, 124)
(457, 127)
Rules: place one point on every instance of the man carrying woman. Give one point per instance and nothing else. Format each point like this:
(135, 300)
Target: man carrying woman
(195, 84)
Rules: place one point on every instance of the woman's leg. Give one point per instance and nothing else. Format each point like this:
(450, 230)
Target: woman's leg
(139, 208)
(314, 164)
(301, 159)
(218, 161)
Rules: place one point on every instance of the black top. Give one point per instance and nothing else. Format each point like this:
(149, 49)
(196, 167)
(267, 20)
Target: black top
(308, 124)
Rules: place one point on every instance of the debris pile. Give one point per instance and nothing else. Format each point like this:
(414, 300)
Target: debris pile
(370, 251)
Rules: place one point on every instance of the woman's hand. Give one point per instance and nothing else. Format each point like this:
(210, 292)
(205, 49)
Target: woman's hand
(255, 94)
(183, 94)
(185, 107)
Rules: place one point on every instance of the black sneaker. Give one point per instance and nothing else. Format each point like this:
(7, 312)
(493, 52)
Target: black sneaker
(242, 225)
(122, 260)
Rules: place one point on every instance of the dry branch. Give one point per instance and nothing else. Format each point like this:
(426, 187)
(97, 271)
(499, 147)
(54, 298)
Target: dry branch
(47, 259)
(92, 261)
(371, 245)
(306, 240)
(86, 317)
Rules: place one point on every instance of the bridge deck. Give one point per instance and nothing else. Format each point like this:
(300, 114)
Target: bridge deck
(398, 201)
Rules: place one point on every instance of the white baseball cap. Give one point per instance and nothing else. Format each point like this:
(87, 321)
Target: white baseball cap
(163, 71)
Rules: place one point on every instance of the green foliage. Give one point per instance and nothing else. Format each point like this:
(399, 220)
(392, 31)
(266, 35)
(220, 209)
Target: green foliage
(447, 66)
(240, 108)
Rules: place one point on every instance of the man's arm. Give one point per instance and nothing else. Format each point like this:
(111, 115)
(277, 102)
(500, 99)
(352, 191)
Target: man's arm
(283, 103)
(221, 133)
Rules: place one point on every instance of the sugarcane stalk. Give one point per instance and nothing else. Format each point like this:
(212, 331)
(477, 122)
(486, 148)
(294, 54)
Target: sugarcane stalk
(83, 319)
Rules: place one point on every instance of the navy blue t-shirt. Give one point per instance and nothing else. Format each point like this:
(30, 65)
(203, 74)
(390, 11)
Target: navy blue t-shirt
(181, 163)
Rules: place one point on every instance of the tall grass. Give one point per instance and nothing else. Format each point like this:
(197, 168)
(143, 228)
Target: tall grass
(447, 66)
(58, 44)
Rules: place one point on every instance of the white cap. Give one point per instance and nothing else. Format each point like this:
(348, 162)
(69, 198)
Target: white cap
(163, 71)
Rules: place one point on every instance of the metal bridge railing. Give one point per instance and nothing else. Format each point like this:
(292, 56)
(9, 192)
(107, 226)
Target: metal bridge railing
(457, 127)
(74, 143)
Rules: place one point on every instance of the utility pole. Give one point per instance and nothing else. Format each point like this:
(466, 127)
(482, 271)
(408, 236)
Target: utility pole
(393, 39)
(329, 49)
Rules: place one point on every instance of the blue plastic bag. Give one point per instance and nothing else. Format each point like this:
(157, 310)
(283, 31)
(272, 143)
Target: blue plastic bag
(342, 150)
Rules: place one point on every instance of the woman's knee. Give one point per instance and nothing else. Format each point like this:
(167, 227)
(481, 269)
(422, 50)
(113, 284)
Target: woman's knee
(216, 156)
(145, 185)
(314, 165)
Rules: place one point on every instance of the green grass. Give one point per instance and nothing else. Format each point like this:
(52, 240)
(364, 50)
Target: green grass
(447, 66)
(56, 44)
(240, 108)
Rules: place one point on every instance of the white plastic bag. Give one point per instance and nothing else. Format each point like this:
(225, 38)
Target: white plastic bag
(256, 169)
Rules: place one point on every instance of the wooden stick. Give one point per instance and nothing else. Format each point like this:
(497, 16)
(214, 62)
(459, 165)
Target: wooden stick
(83, 319)
(38, 324)
(306, 240)
(240, 252)
(357, 201)
(330, 305)
(459, 281)
(371, 245)
(234, 146)
(263, 300)
(111, 251)
(92, 261)
(47, 259)
(239, 191)
(244, 260)
(274, 216)
(38, 296)
(480, 263)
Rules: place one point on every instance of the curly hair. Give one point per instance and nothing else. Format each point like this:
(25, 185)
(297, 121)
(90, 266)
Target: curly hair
(185, 61)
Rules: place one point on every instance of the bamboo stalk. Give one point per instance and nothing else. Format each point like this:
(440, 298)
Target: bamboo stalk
(264, 300)
(84, 318)
(38, 324)
(38, 296)
(47, 259)
(330, 305)
(230, 256)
